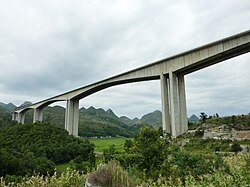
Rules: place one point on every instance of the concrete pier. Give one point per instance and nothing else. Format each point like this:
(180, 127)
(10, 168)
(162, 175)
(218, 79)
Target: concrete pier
(38, 115)
(72, 117)
(21, 117)
(13, 116)
(174, 111)
(166, 125)
(182, 104)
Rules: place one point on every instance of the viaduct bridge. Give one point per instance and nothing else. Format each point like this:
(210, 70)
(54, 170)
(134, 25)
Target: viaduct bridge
(171, 72)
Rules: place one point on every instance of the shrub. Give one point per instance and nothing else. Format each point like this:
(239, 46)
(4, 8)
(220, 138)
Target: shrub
(110, 174)
(185, 163)
(236, 148)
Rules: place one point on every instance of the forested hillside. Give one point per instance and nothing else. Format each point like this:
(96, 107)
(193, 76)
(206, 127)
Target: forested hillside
(25, 148)
(92, 122)
(238, 122)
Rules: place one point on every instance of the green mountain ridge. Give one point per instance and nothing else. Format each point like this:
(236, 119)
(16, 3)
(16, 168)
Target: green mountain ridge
(93, 122)
(8, 106)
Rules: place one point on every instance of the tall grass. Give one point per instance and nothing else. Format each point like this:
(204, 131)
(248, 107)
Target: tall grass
(70, 178)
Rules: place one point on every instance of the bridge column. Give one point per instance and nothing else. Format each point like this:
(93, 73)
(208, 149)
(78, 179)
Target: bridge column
(20, 117)
(165, 104)
(13, 116)
(174, 105)
(72, 117)
(178, 109)
(38, 115)
(183, 107)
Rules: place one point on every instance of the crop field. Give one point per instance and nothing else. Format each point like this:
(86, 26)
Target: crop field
(105, 143)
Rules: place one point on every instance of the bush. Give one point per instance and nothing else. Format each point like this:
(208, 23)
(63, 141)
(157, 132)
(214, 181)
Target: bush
(236, 148)
(129, 160)
(111, 175)
(182, 164)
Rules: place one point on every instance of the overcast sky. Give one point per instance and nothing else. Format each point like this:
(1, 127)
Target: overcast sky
(50, 47)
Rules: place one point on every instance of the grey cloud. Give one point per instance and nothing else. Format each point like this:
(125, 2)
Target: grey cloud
(49, 47)
(223, 88)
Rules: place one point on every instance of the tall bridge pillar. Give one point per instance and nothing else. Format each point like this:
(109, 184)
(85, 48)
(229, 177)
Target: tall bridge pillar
(38, 115)
(20, 117)
(182, 104)
(13, 116)
(165, 104)
(174, 112)
(72, 117)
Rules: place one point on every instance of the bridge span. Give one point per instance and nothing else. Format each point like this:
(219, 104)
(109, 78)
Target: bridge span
(171, 72)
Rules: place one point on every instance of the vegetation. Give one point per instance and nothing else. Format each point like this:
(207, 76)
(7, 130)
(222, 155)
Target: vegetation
(105, 143)
(146, 160)
(29, 148)
(240, 122)
(29, 154)
(92, 122)
(114, 175)
(153, 161)
(68, 178)
(111, 174)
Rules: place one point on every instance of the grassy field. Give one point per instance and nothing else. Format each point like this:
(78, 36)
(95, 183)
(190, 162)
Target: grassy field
(100, 145)
(105, 143)
(62, 167)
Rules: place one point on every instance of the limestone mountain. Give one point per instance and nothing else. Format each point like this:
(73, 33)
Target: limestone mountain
(8, 106)
(193, 118)
(98, 122)
(153, 119)
(94, 122)
(26, 103)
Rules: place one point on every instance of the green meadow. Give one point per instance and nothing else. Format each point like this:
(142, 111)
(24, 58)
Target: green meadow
(105, 143)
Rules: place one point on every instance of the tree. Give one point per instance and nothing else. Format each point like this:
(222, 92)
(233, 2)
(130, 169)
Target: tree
(152, 149)
(203, 116)
(233, 120)
(109, 153)
(128, 145)
(236, 148)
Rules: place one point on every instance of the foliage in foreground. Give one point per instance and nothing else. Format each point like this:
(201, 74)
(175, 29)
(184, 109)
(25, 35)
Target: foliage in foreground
(238, 175)
(112, 174)
(149, 160)
(148, 156)
(154, 156)
(70, 178)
